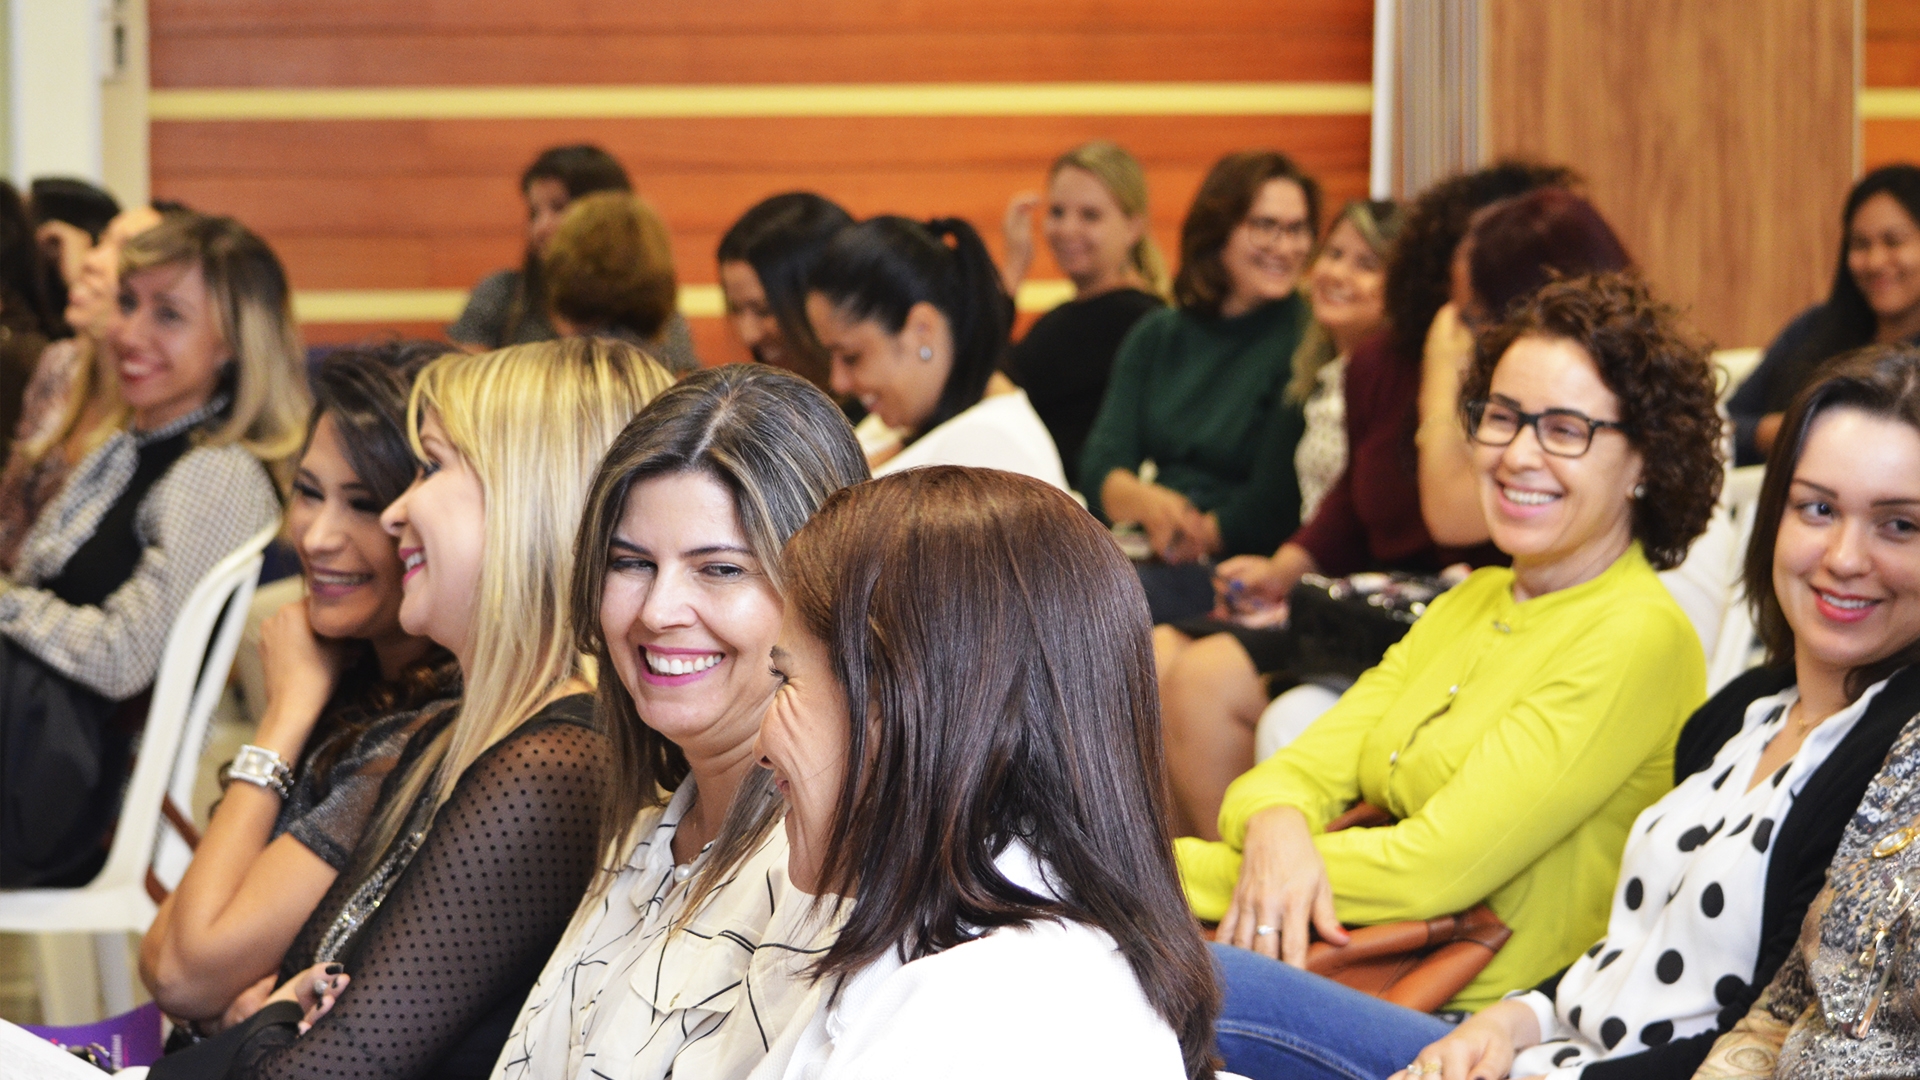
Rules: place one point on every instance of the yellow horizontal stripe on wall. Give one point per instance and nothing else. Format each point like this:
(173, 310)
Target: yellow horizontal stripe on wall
(885, 99)
(1889, 103)
(444, 305)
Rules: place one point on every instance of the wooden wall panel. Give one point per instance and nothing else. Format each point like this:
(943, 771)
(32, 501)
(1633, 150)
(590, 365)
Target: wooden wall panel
(1715, 135)
(1892, 43)
(424, 58)
(434, 204)
(385, 42)
(1884, 142)
(1892, 49)
(832, 16)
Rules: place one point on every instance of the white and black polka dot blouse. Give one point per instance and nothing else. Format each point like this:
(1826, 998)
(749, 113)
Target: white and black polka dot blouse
(1684, 932)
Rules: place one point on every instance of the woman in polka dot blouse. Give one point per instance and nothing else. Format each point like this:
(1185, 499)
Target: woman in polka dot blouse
(1718, 874)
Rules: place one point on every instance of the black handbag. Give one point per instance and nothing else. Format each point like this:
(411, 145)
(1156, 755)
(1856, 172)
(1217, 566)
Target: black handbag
(1343, 626)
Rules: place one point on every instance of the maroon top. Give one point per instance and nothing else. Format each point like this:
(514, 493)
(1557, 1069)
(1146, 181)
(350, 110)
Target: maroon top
(1370, 518)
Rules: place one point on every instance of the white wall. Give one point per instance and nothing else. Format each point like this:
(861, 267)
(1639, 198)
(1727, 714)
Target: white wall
(56, 56)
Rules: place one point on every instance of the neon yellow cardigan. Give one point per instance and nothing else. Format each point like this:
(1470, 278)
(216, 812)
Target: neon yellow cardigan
(1516, 743)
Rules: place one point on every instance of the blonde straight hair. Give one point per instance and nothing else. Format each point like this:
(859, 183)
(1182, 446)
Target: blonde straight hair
(533, 422)
(1378, 223)
(248, 289)
(1120, 173)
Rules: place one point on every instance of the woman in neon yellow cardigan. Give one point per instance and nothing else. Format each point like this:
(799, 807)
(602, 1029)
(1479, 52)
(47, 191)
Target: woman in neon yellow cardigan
(1531, 714)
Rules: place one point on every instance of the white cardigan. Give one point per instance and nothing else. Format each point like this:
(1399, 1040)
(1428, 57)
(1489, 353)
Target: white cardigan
(1045, 999)
(998, 432)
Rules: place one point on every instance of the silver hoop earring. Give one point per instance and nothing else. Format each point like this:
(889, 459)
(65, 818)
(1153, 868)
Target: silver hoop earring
(1639, 491)
(926, 352)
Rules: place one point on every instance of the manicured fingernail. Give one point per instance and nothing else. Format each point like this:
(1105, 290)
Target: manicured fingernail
(335, 969)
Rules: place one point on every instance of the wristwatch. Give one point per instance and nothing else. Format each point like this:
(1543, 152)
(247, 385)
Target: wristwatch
(261, 767)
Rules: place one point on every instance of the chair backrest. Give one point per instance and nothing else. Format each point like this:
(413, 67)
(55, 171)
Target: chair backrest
(1733, 649)
(193, 672)
(1736, 364)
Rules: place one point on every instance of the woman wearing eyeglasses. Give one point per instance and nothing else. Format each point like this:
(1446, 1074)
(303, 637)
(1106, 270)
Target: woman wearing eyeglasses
(1199, 388)
(1518, 729)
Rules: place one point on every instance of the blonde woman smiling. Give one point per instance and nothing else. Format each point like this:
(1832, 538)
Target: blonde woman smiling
(485, 838)
(210, 374)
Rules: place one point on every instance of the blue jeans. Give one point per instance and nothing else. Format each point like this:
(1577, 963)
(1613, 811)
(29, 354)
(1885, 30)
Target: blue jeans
(1280, 1023)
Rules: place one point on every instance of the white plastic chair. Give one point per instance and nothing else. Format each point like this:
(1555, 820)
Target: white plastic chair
(193, 672)
(1733, 649)
(1737, 364)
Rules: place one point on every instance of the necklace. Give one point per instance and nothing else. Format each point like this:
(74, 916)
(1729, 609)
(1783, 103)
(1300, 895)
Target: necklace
(1801, 722)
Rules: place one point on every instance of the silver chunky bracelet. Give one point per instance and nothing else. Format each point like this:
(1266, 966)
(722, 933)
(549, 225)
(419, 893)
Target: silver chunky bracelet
(261, 767)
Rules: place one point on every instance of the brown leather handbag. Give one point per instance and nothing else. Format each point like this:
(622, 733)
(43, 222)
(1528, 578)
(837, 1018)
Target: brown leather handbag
(1420, 965)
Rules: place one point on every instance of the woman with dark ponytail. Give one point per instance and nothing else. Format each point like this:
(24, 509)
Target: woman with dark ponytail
(914, 320)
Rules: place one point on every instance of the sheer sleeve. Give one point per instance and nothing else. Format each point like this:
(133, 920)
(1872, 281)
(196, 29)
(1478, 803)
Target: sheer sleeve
(330, 821)
(469, 925)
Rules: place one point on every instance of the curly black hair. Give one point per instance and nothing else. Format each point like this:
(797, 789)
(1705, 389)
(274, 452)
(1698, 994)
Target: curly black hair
(1664, 381)
(1418, 269)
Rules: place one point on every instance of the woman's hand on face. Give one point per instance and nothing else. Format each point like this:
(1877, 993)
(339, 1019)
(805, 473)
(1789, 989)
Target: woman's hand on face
(1482, 1047)
(1283, 894)
(1449, 347)
(314, 990)
(1016, 227)
(302, 669)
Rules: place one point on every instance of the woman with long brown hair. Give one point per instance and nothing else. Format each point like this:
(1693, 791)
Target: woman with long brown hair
(967, 737)
(1199, 389)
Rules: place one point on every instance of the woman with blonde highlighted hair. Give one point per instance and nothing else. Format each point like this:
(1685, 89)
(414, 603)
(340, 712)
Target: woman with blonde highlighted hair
(1096, 226)
(215, 404)
(486, 836)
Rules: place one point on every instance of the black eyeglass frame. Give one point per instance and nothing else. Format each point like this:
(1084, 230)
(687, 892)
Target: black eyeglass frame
(1474, 410)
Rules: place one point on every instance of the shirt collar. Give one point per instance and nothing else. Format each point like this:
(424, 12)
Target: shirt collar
(215, 405)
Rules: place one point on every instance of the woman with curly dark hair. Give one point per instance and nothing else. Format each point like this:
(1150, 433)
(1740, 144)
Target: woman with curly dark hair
(1511, 249)
(1782, 755)
(1518, 729)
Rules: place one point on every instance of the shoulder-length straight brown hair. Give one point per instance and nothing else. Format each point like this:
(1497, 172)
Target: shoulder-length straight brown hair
(1002, 642)
(1881, 381)
(1218, 208)
(780, 446)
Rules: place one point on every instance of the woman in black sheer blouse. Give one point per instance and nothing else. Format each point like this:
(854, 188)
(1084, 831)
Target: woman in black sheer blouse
(484, 840)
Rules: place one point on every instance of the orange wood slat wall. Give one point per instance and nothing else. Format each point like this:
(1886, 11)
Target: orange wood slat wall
(434, 203)
(1892, 60)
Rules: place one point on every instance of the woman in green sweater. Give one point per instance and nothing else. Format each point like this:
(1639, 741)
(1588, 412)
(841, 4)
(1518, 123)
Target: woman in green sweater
(1199, 389)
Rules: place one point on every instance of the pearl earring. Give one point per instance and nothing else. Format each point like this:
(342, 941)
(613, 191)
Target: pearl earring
(926, 352)
(1639, 491)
